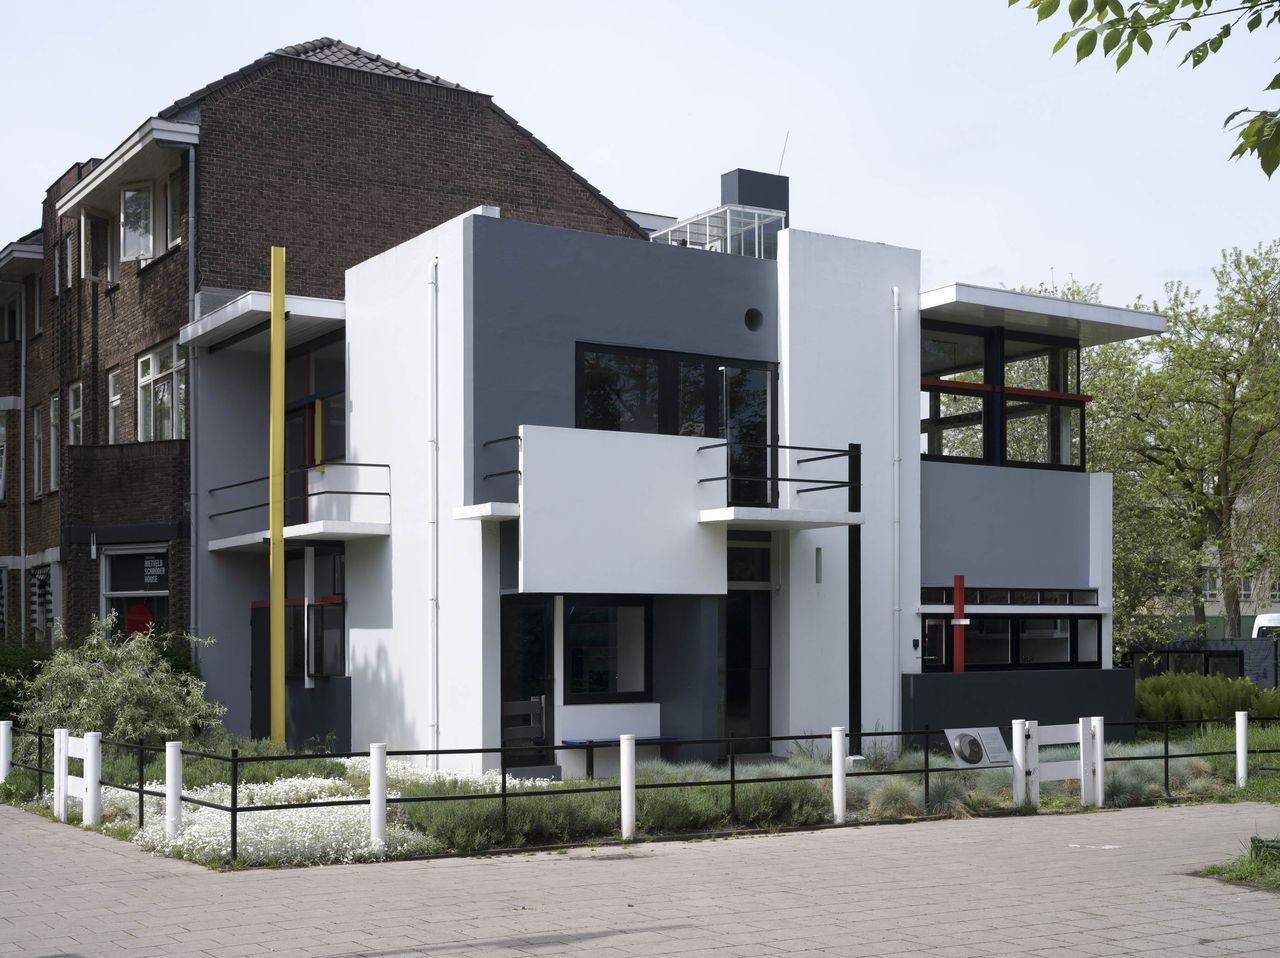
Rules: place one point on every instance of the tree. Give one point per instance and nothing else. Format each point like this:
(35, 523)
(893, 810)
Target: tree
(1206, 24)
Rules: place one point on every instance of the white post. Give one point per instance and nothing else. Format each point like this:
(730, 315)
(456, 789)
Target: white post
(60, 736)
(838, 751)
(93, 778)
(1098, 727)
(378, 795)
(6, 748)
(1033, 763)
(1019, 742)
(627, 785)
(1086, 762)
(172, 788)
(1242, 749)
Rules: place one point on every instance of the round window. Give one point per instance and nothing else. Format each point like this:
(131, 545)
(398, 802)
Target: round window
(754, 319)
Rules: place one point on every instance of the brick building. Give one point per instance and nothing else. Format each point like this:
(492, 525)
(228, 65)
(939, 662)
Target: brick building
(337, 154)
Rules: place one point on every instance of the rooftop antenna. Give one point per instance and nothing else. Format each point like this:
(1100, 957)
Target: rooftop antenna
(784, 151)
(1053, 283)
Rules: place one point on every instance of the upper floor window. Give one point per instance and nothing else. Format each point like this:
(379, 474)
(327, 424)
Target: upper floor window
(114, 432)
(1275, 590)
(57, 276)
(37, 307)
(75, 414)
(162, 393)
(173, 208)
(136, 216)
(1246, 589)
(37, 451)
(9, 321)
(55, 439)
(68, 260)
(1000, 398)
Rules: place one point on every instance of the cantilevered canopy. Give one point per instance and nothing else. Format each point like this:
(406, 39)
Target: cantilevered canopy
(149, 153)
(1090, 323)
(243, 322)
(21, 258)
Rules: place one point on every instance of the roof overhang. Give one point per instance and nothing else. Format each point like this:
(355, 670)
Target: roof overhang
(243, 323)
(1090, 323)
(20, 259)
(143, 156)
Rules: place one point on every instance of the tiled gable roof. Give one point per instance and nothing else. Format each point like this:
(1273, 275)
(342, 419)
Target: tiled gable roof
(339, 54)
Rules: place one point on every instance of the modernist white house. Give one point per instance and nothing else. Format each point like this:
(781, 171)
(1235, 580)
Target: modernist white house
(551, 486)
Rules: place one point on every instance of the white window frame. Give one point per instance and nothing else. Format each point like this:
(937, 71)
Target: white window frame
(115, 396)
(57, 273)
(4, 456)
(104, 574)
(37, 314)
(150, 190)
(37, 451)
(69, 265)
(55, 439)
(177, 374)
(75, 414)
(1246, 589)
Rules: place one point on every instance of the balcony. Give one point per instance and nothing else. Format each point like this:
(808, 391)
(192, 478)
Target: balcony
(741, 230)
(603, 511)
(333, 502)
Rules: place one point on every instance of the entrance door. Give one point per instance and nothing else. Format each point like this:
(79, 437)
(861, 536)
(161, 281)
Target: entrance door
(528, 679)
(746, 667)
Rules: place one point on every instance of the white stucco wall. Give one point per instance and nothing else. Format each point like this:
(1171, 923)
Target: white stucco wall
(836, 347)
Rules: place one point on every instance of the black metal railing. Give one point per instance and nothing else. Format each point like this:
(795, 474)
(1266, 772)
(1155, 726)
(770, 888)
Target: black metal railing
(297, 499)
(753, 473)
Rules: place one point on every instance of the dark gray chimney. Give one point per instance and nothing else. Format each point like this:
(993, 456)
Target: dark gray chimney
(752, 188)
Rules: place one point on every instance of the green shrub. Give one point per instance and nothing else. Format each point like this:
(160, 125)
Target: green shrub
(18, 666)
(123, 687)
(1187, 696)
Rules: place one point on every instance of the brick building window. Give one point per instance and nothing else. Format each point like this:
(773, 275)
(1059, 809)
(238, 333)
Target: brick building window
(173, 209)
(37, 306)
(70, 240)
(114, 432)
(55, 439)
(9, 321)
(40, 597)
(57, 277)
(75, 414)
(136, 223)
(37, 451)
(162, 393)
(135, 586)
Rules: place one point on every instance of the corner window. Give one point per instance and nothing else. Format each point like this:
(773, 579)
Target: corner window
(114, 432)
(55, 439)
(37, 451)
(607, 650)
(75, 414)
(162, 393)
(135, 586)
(136, 230)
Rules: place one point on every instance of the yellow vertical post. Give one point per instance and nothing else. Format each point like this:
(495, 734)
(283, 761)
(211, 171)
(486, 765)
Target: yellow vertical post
(275, 497)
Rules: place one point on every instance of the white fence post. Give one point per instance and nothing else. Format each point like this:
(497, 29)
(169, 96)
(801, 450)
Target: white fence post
(60, 736)
(172, 788)
(627, 785)
(1242, 749)
(1019, 743)
(838, 752)
(6, 748)
(378, 795)
(1097, 726)
(92, 778)
(1087, 771)
(1033, 763)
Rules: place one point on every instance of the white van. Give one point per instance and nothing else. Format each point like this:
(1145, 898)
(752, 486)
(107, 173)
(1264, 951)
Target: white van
(1267, 626)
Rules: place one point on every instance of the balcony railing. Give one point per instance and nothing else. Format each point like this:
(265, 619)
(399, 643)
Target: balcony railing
(741, 230)
(327, 492)
(755, 471)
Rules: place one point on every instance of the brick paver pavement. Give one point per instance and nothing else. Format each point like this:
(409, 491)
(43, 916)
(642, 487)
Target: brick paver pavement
(1111, 883)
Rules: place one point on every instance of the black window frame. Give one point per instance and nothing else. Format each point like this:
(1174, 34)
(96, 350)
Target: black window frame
(316, 613)
(996, 396)
(609, 698)
(1015, 644)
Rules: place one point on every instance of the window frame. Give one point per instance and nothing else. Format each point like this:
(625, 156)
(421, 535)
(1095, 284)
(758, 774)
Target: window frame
(1015, 643)
(106, 594)
(75, 414)
(177, 365)
(37, 451)
(114, 404)
(172, 206)
(55, 438)
(149, 187)
(609, 698)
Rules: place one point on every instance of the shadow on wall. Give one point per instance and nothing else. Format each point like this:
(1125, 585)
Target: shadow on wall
(383, 705)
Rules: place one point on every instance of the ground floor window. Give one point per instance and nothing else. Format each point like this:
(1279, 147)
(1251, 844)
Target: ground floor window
(1014, 642)
(40, 597)
(135, 586)
(607, 649)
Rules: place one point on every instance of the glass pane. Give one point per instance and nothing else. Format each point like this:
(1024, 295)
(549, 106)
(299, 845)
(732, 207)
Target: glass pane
(950, 425)
(693, 399)
(145, 431)
(1040, 366)
(1084, 597)
(748, 564)
(747, 431)
(958, 357)
(180, 412)
(1088, 643)
(1026, 597)
(335, 427)
(164, 409)
(297, 377)
(138, 572)
(605, 649)
(1043, 432)
(619, 392)
(1055, 597)
(1044, 641)
(986, 642)
(995, 596)
(1186, 662)
(329, 365)
(164, 359)
(934, 653)
(113, 384)
(139, 613)
(135, 224)
(1229, 664)
(935, 596)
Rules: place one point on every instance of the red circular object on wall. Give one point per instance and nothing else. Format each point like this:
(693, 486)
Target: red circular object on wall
(137, 618)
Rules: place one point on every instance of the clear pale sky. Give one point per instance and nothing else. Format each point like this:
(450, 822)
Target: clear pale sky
(944, 126)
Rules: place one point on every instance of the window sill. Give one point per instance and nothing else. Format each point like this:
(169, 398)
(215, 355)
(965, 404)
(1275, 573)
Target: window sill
(157, 260)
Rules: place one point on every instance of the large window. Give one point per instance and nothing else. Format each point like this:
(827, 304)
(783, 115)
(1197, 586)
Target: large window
(137, 235)
(678, 394)
(37, 451)
(55, 439)
(75, 414)
(135, 586)
(607, 654)
(1014, 642)
(1002, 399)
(327, 630)
(162, 393)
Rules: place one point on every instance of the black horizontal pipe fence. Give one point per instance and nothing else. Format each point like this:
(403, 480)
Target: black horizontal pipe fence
(732, 746)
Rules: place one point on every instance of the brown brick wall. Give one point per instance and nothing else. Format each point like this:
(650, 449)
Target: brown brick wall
(338, 166)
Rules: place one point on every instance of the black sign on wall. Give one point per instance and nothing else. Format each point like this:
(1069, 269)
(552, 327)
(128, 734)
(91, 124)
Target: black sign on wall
(139, 572)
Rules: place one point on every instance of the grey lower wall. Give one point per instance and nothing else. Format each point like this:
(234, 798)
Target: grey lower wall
(686, 670)
(537, 291)
(317, 715)
(1003, 526)
(1261, 656)
(1050, 696)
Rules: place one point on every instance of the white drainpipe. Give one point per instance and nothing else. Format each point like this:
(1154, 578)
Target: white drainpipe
(896, 659)
(433, 634)
(23, 588)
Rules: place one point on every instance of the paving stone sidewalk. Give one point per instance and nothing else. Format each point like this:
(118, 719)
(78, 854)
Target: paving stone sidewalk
(1108, 883)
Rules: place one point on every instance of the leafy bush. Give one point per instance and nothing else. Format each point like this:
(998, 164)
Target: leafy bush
(18, 666)
(125, 688)
(1188, 696)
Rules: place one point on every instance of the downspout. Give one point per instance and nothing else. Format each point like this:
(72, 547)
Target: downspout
(22, 466)
(895, 684)
(192, 377)
(433, 444)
